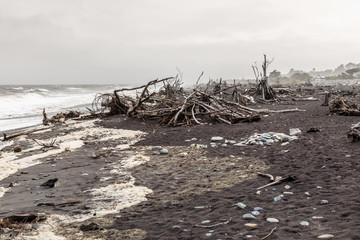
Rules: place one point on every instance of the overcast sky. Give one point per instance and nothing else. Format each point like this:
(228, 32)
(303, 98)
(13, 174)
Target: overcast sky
(134, 41)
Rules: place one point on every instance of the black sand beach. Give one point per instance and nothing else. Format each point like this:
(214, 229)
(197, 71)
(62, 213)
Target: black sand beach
(112, 185)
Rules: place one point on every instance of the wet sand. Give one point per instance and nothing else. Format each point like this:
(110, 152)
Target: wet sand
(128, 191)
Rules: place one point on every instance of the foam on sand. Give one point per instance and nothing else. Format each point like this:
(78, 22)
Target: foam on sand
(118, 195)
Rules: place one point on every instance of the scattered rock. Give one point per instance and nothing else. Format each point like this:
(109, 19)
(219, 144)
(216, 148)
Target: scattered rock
(205, 222)
(255, 213)
(248, 216)
(232, 142)
(208, 234)
(50, 183)
(156, 148)
(259, 209)
(323, 202)
(17, 149)
(164, 151)
(198, 146)
(317, 217)
(325, 236)
(278, 198)
(295, 132)
(313, 129)
(176, 227)
(307, 193)
(287, 187)
(304, 223)
(183, 154)
(217, 139)
(194, 139)
(252, 225)
(272, 220)
(241, 205)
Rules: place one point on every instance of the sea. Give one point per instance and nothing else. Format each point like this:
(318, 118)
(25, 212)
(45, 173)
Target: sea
(22, 105)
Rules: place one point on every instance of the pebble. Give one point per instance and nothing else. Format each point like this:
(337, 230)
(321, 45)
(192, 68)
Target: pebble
(17, 149)
(259, 209)
(213, 145)
(272, 220)
(252, 225)
(232, 142)
(164, 151)
(285, 143)
(35, 226)
(287, 187)
(248, 216)
(294, 132)
(347, 156)
(194, 139)
(307, 193)
(208, 234)
(317, 217)
(304, 223)
(156, 148)
(255, 213)
(319, 187)
(277, 198)
(325, 236)
(241, 205)
(211, 231)
(324, 202)
(183, 154)
(288, 193)
(176, 227)
(285, 138)
(217, 139)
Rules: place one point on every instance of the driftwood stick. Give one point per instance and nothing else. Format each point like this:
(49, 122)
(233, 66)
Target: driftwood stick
(182, 108)
(272, 230)
(6, 137)
(150, 83)
(267, 175)
(193, 115)
(202, 73)
(49, 145)
(288, 178)
(69, 203)
(214, 225)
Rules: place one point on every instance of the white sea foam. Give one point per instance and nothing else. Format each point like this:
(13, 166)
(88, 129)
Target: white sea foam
(121, 195)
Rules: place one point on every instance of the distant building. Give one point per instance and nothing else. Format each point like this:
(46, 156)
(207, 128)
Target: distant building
(320, 78)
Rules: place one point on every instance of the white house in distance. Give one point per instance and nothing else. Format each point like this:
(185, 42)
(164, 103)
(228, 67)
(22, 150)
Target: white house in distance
(319, 80)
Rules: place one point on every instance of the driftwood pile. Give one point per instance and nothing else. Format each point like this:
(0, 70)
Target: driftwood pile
(263, 88)
(172, 106)
(344, 106)
(60, 117)
(354, 133)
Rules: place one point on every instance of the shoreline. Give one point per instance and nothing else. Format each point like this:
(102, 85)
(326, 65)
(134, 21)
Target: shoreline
(138, 193)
